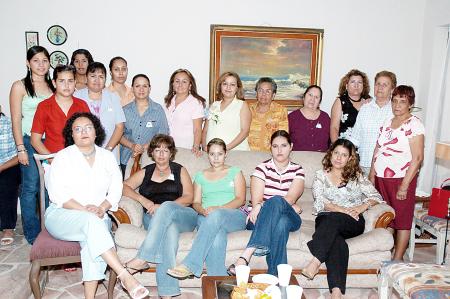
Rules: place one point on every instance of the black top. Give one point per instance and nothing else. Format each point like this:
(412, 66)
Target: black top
(348, 118)
(168, 190)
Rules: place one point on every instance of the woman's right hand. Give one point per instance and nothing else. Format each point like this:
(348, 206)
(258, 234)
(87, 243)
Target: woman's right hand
(352, 212)
(137, 149)
(148, 204)
(254, 214)
(23, 158)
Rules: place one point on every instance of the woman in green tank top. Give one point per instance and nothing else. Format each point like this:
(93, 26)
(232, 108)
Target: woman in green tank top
(219, 193)
(24, 97)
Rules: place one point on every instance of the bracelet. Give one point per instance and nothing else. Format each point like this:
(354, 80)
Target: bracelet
(17, 145)
(22, 151)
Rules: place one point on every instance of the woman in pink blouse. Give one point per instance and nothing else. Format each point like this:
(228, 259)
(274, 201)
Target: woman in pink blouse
(184, 109)
(396, 162)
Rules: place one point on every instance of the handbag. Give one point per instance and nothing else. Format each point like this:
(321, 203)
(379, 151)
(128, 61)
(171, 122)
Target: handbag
(136, 165)
(439, 203)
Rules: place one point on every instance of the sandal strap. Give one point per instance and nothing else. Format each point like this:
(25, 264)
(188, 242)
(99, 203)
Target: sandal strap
(246, 262)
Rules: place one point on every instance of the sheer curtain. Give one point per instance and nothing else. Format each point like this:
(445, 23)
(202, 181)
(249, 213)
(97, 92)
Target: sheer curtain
(437, 124)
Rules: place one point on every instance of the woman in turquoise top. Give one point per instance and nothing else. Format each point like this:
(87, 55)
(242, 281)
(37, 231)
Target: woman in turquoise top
(219, 193)
(24, 97)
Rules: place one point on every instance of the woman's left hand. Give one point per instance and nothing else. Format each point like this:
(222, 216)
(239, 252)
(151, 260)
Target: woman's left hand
(297, 209)
(352, 212)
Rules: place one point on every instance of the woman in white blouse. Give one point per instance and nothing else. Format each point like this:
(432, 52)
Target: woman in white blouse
(341, 195)
(84, 183)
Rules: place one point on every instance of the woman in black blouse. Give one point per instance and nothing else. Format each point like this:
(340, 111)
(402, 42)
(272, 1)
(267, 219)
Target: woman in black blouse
(165, 192)
(353, 93)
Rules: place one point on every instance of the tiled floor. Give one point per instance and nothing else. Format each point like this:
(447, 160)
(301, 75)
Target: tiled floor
(14, 269)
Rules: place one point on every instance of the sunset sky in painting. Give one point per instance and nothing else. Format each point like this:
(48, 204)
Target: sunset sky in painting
(266, 56)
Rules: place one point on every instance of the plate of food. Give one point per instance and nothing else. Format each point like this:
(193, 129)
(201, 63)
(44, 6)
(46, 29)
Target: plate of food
(265, 278)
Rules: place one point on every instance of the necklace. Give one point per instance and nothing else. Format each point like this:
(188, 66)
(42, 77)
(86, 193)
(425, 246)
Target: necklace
(355, 101)
(162, 172)
(89, 155)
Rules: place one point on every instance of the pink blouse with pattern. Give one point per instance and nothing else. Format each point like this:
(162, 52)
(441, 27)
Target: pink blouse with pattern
(394, 155)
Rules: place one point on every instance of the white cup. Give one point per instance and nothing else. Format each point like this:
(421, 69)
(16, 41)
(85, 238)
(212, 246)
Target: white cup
(242, 274)
(294, 292)
(284, 274)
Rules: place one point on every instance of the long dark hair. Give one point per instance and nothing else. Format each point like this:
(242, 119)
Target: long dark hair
(28, 81)
(193, 90)
(352, 170)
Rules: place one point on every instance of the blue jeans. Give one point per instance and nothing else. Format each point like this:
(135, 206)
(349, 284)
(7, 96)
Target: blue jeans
(210, 243)
(29, 197)
(271, 231)
(161, 243)
(91, 232)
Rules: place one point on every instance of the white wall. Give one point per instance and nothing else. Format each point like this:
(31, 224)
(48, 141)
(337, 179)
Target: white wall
(431, 80)
(158, 37)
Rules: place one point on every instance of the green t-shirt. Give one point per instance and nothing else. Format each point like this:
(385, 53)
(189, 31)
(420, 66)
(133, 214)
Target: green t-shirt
(219, 192)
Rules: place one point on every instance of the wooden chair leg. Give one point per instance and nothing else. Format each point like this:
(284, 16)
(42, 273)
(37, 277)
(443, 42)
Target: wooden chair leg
(111, 283)
(34, 279)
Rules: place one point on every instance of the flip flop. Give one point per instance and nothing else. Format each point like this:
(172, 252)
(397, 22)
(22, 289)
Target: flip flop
(180, 272)
(135, 271)
(5, 241)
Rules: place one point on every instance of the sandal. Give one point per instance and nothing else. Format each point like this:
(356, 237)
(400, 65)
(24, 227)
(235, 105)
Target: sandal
(232, 268)
(309, 276)
(135, 293)
(135, 271)
(180, 272)
(5, 241)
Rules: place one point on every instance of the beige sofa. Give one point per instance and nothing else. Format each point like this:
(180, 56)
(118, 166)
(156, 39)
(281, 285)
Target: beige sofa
(366, 251)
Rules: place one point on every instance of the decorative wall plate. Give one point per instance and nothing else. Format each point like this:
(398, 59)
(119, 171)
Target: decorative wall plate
(57, 58)
(57, 35)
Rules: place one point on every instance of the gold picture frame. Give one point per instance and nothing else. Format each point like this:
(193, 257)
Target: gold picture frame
(291, 56)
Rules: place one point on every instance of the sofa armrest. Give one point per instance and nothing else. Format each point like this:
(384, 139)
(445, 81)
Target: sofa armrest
(130, 211)
(378, 216)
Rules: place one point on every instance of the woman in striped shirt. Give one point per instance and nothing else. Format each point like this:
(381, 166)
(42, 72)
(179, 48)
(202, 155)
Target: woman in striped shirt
(275, 187)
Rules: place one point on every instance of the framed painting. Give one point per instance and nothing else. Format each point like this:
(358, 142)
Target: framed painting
(31, 39)
(291, 56)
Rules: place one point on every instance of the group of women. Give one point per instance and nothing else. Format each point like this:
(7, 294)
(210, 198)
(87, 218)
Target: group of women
(77, 116)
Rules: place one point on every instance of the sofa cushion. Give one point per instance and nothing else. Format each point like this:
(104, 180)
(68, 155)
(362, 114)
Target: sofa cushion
(45, 246)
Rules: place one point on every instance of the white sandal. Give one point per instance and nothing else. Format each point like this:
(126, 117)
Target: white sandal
(136, 292)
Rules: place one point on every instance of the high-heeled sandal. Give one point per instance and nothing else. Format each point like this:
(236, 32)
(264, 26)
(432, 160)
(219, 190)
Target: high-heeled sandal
(309, 276)
(136, 292)
(180, 272)
(134, 270)
(232, 268)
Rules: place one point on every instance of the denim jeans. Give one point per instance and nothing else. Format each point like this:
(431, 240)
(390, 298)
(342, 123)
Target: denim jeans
(271, 231)
(29, 196)
(9, 191)
(210, 243)
(92, 232)
(161, 243)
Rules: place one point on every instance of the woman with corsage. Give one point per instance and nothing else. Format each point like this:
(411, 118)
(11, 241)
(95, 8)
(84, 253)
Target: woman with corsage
(84, 183)
(341, 196)
(275, 187)
(219, 193)
(165, 192)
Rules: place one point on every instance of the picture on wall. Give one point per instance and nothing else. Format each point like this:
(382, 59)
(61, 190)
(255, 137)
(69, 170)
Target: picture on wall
(57, 35)
(291, 56)
(57, 58)
(31, 39)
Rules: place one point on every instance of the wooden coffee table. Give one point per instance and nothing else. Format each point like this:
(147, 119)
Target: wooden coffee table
(209, 285)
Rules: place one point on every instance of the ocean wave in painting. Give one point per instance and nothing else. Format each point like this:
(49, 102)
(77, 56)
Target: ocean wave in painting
(291, 86)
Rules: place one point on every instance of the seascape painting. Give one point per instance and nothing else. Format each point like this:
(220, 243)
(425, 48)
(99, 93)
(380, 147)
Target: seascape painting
(287, 61)
(290, 56)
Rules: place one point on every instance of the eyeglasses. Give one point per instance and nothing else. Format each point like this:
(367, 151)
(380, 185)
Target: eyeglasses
(86, 129)
(264, 91)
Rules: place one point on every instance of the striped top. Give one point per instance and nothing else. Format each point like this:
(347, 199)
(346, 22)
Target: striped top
(277, 183)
